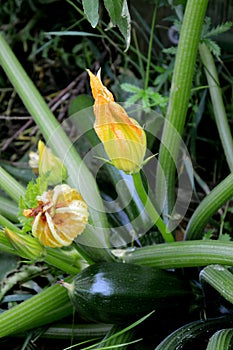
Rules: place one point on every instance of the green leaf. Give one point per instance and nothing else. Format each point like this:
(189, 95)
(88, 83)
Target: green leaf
(130, 88)
(221, 28)
(213, 46)
(133, 99)
(29, 200)
(80, 102)
(119, 14)
(225, 237)
(207, 33)
(91, 8)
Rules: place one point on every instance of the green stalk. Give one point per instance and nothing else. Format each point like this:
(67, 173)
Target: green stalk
(179, 98)
(6, 223)
(208, 206)
(51, 305)
(146, 83)
(77, 331)
(150, 209)
(221, 340)
(8, 209)
(79, 175)
(5, 245)
(181, 254)
(67, 260)
(217, 102)
(11, 186)
(220, 279)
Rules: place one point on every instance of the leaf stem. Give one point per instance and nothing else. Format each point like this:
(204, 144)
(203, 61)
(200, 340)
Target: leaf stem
(217, 102)
(6, 223)
(220, 278)
(8, 209)
(150, 209)
(50, 305)
(11, 186)
(179, 98)
(146, 83)
(208, 206)
(181, 254)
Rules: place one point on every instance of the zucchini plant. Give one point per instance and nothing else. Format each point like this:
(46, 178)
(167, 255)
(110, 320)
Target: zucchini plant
(115, 278)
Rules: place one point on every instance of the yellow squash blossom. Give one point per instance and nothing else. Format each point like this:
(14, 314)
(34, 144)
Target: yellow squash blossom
(123, 138)
(61, 215)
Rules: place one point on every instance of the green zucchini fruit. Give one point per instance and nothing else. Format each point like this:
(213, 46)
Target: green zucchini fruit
(119, 292)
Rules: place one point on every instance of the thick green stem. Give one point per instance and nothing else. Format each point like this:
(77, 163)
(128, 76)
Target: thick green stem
(5, 245)
(217, 102)
(221, 339)
(179, 97)
(181, 254)
(8, 209)
(79, 175)
(150, 209)
(208, 206)
(6, 223)
(11, 186)
(220, 278)
(50, 305)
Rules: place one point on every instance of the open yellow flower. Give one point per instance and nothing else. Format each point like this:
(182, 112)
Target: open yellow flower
(61, 215)
(123, 138)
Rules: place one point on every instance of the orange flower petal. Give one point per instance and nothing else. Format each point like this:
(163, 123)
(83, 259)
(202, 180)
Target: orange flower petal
(123, 138)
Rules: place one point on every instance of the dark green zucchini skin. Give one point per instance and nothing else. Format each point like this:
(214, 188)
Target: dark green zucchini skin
(119, 292)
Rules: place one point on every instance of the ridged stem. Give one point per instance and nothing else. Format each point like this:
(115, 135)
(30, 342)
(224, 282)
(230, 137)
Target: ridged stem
(5, 245)
(221, 340)
(220, 279)
(179, 97)
(150, 209)
(208, 206)
(6, 223)
(11, 186)
(181, 254)
(217, 103)
(8, 209)
(46, 307)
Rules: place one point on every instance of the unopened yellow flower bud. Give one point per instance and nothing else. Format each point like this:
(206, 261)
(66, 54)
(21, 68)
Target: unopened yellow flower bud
(25, 245)
(50, 165)
(123, 138)
(61, 215)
